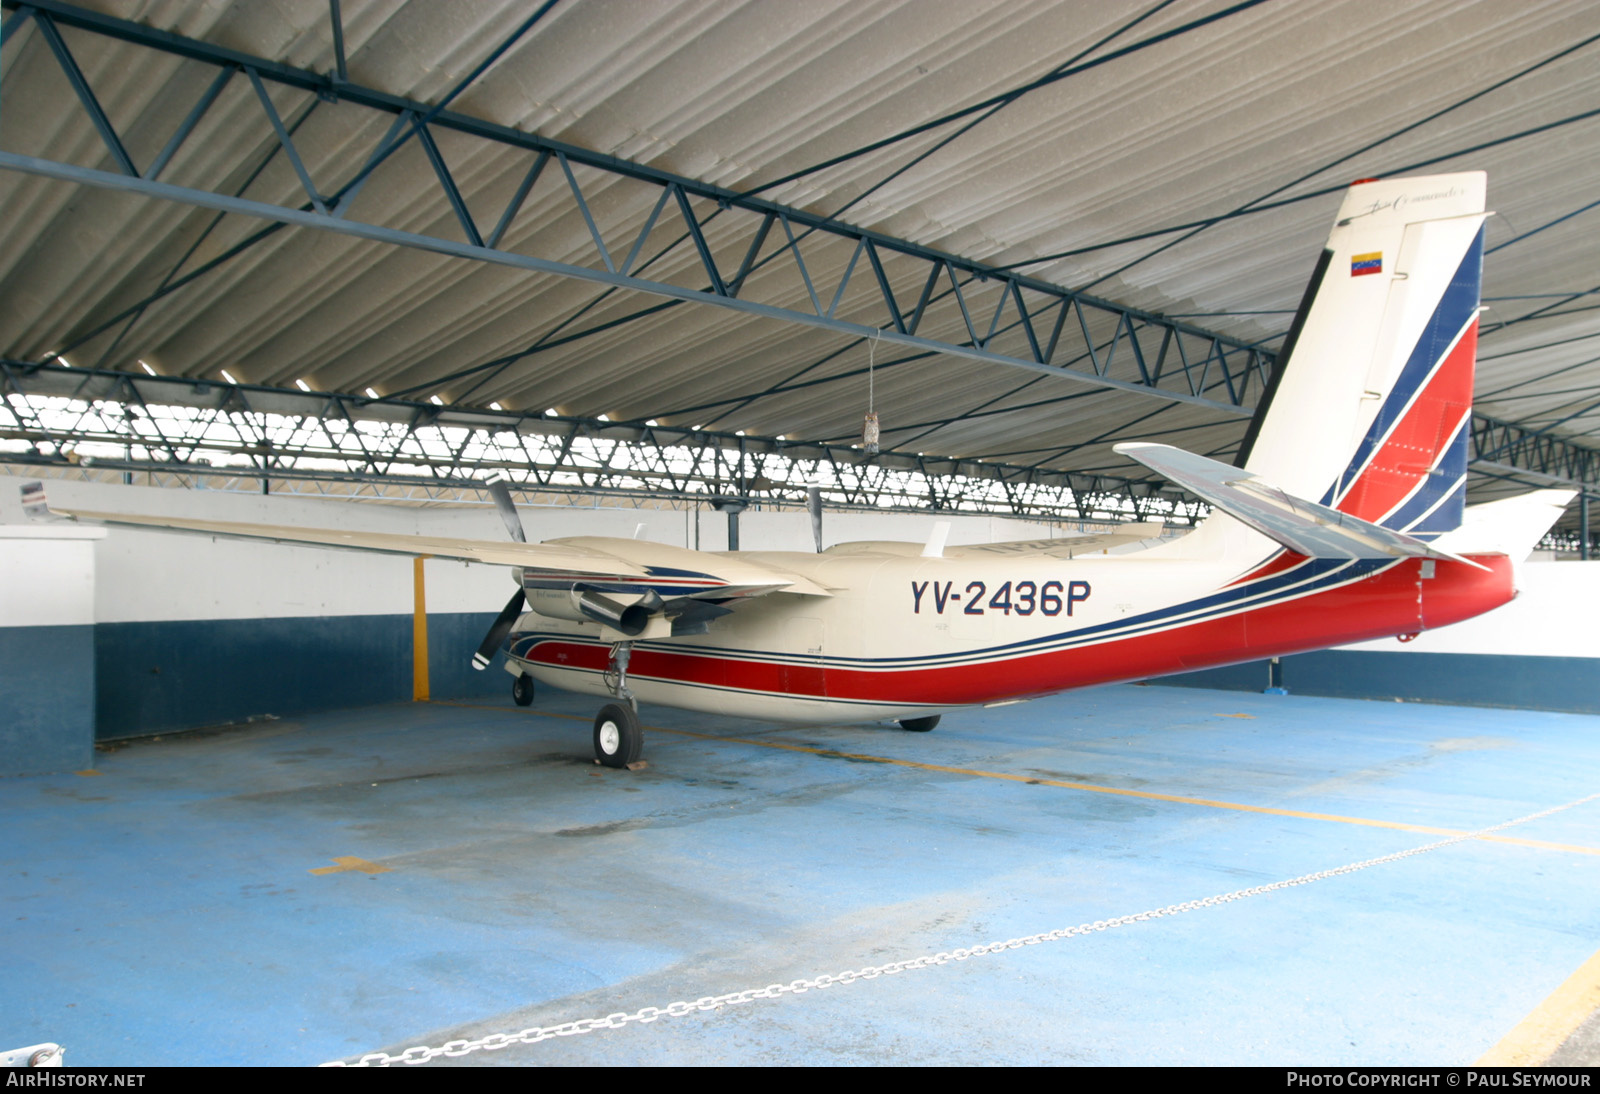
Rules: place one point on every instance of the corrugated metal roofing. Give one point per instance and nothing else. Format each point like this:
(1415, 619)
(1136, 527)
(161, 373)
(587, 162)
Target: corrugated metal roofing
(1274, 101)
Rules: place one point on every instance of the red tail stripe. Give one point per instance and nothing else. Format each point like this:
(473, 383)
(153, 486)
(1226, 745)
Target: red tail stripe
(1415, 445)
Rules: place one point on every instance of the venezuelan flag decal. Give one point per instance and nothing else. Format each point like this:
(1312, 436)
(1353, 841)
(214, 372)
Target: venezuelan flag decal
(1366, 264)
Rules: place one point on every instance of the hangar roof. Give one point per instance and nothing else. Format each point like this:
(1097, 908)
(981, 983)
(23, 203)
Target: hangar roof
(1183, 158)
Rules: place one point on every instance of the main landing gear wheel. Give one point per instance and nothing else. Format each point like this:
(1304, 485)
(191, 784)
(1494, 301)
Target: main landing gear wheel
(618, 737)
(522, 690)
(919, 725)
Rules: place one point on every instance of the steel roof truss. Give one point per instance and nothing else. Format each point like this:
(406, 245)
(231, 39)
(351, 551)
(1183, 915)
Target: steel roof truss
(756, 243)
(86, 96)
(10, 26)
(192, 119)
(844, 281)
(514, 206)
(452, 194)
(895, 317)
(286, 141)
(793, 247)
(1497, 442)
(588, 217)
(706, 260)
(886, 316)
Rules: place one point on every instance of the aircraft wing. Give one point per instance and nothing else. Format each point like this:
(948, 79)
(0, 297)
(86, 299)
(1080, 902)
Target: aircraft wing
(619, 565)
(1065, 547)
(1305, 527)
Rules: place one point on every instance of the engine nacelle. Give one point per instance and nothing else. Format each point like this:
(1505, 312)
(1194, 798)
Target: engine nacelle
(586, 606)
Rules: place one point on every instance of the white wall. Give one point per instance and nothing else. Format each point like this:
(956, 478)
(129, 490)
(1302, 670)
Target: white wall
(161, 576)
(47, 576)
(1554, 615)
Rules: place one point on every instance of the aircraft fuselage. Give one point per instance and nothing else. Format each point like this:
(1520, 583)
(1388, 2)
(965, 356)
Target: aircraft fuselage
(909, 636)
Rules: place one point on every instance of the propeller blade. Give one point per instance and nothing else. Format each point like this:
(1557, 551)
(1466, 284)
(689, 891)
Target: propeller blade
(497, 633)
(814, 507)
(496, 483)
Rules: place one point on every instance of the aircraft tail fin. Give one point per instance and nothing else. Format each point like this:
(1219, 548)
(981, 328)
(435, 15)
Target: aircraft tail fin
(1369, 410)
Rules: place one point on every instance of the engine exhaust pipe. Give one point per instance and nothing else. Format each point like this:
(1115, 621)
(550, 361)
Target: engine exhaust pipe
(592, 606)
(630, 619)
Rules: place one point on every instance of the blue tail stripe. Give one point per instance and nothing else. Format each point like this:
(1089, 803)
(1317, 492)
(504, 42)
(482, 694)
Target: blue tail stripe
(1458, 304)
(1443, 489)
(1446, 518)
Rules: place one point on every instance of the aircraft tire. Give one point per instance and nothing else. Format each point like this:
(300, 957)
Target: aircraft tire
(919, 725)
(618, 737)
(522, 690)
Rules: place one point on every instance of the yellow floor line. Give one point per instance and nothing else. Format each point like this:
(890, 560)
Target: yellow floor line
(1090, 788)
(351, 862)
(1539, 1034)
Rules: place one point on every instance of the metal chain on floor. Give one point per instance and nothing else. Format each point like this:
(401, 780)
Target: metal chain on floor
(419, 1054)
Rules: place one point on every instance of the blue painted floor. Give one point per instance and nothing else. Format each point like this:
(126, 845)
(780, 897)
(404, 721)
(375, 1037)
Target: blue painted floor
(164, 911)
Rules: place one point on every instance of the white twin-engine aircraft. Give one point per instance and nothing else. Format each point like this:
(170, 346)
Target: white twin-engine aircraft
(1343, 522)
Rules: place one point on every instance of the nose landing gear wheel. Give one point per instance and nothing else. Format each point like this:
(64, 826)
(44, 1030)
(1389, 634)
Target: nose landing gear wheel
(919, 725)
(522, 690)
(618, 737)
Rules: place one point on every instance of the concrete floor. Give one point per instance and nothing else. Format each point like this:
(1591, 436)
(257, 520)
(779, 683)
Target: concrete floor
(175, 906)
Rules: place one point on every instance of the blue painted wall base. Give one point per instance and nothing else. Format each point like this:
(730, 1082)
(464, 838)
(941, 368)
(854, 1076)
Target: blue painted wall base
(46, 699)
(1486, 680)
(161, 677)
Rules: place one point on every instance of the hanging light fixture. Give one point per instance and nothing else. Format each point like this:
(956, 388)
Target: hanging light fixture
(869, 430)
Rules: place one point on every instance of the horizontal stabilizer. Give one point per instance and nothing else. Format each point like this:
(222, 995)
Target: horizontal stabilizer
(1305, 527)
